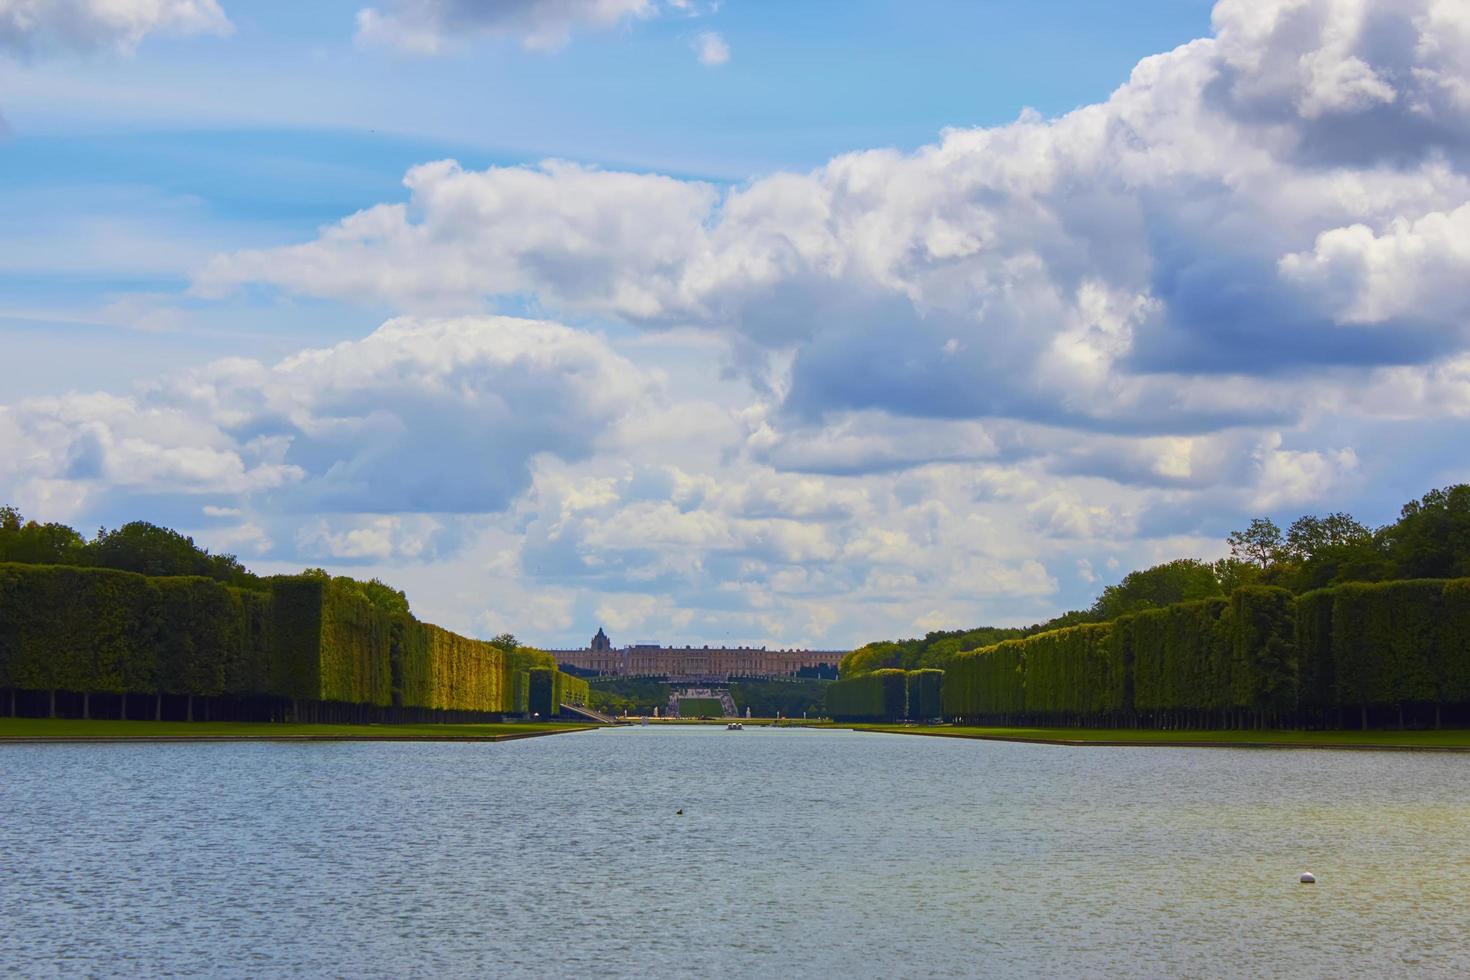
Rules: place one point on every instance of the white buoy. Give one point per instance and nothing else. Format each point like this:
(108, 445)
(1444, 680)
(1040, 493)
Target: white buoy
(1308, 878)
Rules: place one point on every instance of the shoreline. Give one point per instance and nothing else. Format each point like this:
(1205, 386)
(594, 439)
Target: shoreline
(33, 733)
(1143, 739)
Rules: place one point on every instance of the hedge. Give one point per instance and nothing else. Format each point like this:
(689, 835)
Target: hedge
(878, 696)
(1263, 656)
(574, 690)
(91, 630)
(925, 693)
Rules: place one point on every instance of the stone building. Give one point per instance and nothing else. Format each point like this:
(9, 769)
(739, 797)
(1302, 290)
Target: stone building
(693, 663)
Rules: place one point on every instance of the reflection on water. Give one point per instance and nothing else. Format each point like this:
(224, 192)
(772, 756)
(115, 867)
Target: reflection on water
(815, 852)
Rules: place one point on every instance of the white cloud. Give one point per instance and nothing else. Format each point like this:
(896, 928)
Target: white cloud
(83, 25)
(711, 49)
(431, 26)
(422, 415)
(1412, 269)
(920, 388)
(410, 537)
(1121, 267)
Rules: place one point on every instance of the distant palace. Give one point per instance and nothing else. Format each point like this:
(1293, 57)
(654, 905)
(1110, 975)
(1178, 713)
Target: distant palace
(696, 663)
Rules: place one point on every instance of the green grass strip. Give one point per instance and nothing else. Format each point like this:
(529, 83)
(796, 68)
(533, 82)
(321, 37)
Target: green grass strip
(1444, 740)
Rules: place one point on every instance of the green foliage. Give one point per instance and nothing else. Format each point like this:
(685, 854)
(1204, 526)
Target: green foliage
(307, 637)
(574, 690)
(355, 649)
(925, 693)
(542, 692)
(788, 698)
(936, 649)
(448, 672)
(881, 695)
(38, 544)
(1389, 642)
(1072, 671)
(152, 550)
(86, 629)
(988, 681)
(380, 596)
(1263, 670)
(1432, 536)
(1184, 580)
(1315, 649)
(633, 695)
(1452, 652)
(1260, 544)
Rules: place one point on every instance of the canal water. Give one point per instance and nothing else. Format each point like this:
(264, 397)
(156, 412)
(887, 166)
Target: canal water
(799, 853)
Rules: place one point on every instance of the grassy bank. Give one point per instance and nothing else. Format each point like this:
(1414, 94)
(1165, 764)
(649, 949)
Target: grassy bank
(1446, 740)
(43, 729)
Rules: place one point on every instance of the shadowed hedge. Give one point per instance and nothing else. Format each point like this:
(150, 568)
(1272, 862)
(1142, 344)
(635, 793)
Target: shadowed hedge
(1394, 651)
(925, 690)
(881, 695)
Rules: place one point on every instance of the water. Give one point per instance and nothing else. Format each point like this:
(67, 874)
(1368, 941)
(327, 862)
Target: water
(811, 853)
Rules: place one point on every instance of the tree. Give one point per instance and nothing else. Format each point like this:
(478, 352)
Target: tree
(1182, 580)
(1309, 537)
(1234, 573)
(1322, 551)
(152, 550)
(1432, 536)
(506, 642)
(37, 544)
(1260, 544)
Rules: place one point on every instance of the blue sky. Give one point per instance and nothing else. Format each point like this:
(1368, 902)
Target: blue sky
(762, 322)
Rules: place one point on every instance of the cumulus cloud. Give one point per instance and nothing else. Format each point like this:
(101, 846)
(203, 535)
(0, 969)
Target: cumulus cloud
(423, 415)
(430, 26)
(28, 26)
(1413, 269)
(965, 383)
(1286, 195)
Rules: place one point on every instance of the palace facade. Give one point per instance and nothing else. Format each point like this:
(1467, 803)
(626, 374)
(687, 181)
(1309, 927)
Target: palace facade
(693, 663)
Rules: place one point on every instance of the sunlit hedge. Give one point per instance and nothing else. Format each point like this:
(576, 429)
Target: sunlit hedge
(574, 690)
(89, 630)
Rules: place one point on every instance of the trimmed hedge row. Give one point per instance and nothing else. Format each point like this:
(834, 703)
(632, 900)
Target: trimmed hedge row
(574, 690)
(1261, 656)
(549, 689)
(881, 695)
(67, 628)
(925, 693)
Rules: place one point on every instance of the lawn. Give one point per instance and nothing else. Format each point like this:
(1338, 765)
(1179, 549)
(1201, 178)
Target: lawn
(697, 707)
(45, 728)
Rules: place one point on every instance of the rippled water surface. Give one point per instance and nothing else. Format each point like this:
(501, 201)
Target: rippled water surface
(809, 852)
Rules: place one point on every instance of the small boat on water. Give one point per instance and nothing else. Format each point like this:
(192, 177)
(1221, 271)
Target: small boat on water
(734, 726)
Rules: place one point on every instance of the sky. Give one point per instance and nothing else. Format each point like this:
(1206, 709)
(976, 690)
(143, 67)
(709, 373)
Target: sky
(731, 322)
